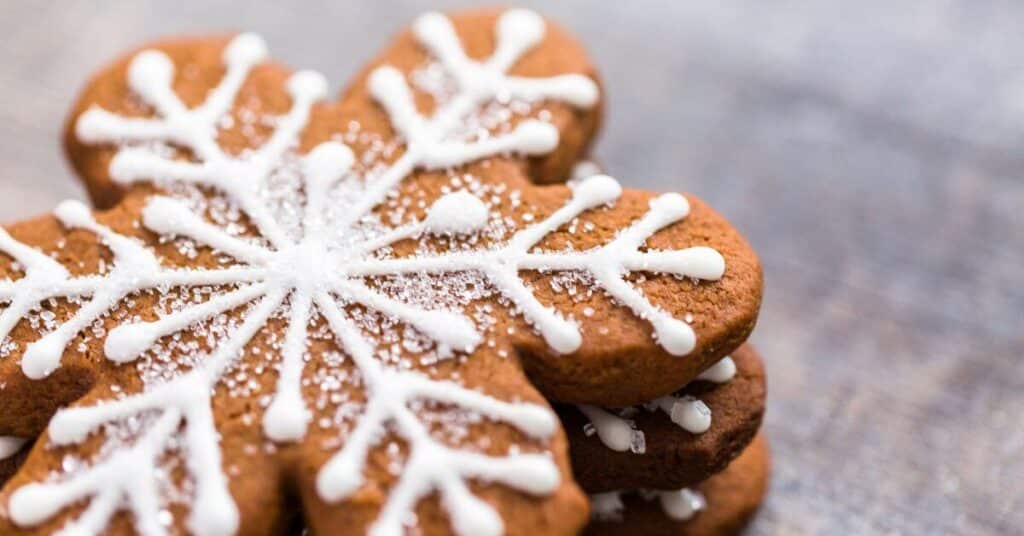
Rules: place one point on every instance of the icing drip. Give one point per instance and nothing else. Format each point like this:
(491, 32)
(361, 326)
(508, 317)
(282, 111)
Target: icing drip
(318, 272)
(690, 414)
(616, 433)
(9, 446)
(678, 505)
(683, 504)
(693, 415)
(720, 372)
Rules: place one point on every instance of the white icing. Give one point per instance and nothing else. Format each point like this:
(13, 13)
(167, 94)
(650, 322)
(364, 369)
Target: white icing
(607, 506)
(317, 275)
(585, 169)
(691, 414)
(678, 505)
(721, 372)
(616, 433)
(683, 504)
(9, 446)
(458, 213)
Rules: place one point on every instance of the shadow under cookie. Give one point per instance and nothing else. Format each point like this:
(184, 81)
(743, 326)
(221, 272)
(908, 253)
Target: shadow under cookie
(673, 457)
(732, 498)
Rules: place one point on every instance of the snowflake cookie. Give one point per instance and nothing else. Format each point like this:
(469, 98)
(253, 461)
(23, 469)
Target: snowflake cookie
(346, 309)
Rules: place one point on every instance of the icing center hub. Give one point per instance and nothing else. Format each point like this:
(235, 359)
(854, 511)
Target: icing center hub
(302, 266)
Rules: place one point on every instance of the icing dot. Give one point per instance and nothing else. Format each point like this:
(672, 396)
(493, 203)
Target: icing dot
(42, 357)
(532, 473)
(9, 446)
(31, 504)
(66, 429)
(536, 137)
(431, 24)
(339, 479)
(90, 126)
(214, 514)
(73, 213)
(692, 415)
(307, 84)
(287, 417)
(596, 191)
(150, 71)
(607, 506)
(536, 421)
(127, 342)
(246, 48)
(671, 206)
(167, 216)
(720, 372)
(576, 89)
(482, 521)
(706, 263)
(561, 335)
(681, 505)
(453, 330)
(457, 213)
(699, 261)
(675, 336)
(521, 24)
(327, 162)
(385, 81)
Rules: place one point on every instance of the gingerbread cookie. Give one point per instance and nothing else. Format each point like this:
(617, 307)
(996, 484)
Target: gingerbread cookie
(674, 441)
(721, 506)
(345, 307)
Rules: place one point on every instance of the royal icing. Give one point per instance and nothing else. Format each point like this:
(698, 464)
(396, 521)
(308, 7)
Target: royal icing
(618, 432)
(9, 446)
(678, 505)
(315, 268)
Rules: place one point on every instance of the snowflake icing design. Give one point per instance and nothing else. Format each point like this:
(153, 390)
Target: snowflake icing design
(318, 274)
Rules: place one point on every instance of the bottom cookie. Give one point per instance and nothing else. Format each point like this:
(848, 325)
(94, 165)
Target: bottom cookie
(722, 505)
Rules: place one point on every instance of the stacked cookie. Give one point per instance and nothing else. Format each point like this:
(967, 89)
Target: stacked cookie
(369, 315)
(690, 462)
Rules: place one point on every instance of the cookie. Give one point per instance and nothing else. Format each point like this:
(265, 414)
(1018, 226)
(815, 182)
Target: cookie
(721, 506)
(346, 308)
(675, 441)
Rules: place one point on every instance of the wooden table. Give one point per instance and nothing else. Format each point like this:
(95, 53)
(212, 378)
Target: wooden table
(872, 151)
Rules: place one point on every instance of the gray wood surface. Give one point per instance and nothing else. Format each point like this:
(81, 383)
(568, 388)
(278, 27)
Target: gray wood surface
(871, 150)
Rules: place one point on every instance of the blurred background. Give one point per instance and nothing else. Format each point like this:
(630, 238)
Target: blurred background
(872, 152)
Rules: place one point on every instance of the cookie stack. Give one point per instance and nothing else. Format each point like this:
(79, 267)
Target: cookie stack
(657, 467)
(402, 311)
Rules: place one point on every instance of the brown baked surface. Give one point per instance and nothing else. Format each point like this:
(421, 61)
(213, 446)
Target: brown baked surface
(675, 458)
(733, 498)
(620, 366)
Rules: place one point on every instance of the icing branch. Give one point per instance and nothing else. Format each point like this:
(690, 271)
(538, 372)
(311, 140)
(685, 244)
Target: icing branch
(287, 417)
(151, 74)
(431, 466)
(115, 482)
(429, 143)
(608, 264)
(135, 268)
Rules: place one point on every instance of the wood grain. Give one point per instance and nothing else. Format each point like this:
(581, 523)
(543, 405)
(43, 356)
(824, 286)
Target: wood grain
(872, 151)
